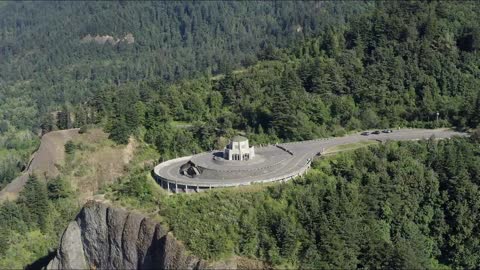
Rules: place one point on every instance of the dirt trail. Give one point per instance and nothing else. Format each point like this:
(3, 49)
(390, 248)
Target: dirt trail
(43, 164)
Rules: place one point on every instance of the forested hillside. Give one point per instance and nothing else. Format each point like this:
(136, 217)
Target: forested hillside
(55, 56)
(409, 205)
(398, 65)
(56, 53)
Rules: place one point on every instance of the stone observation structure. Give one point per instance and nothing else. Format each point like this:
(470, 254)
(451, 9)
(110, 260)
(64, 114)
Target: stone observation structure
(239, 164)
(238, 149)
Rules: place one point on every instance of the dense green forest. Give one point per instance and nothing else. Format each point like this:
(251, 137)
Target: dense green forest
(31, 226)
(56, 56)
(50, 57)
(193, 74)
(398, 65)
(408, 205)
(16, 146)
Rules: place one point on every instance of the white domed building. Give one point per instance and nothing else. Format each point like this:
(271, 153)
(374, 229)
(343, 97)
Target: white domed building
(238, 149)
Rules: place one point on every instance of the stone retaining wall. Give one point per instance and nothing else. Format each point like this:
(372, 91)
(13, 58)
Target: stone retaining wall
(178, 187)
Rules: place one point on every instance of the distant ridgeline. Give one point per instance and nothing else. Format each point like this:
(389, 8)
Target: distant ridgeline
(396, 64)
(54, 53)
(403, 64)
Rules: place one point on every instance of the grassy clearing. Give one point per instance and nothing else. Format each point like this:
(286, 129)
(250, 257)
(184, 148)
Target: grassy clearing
(221, 76)
(96, 162)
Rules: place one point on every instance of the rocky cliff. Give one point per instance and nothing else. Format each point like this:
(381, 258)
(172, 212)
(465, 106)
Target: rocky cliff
(105, 237)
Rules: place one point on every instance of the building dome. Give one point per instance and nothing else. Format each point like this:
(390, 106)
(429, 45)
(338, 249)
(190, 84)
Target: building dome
(239, 138)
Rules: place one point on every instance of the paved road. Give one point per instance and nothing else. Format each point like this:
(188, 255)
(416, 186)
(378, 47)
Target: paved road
(302, 152)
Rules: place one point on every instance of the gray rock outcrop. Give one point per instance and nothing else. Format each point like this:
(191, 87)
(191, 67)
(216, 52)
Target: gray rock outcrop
(105, 237)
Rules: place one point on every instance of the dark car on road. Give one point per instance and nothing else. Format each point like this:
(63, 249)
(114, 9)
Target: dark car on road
(365, 133)
(376, 132)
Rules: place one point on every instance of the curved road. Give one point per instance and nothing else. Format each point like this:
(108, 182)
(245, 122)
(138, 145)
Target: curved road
(302, 152)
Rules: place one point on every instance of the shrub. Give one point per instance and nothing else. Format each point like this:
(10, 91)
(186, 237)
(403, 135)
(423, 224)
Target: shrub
(70, 147)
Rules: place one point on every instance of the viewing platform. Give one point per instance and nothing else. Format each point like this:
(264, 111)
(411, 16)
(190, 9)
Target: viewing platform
(239, 164)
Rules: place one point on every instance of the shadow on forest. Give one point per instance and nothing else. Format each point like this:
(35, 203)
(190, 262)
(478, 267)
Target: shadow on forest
(41, 263)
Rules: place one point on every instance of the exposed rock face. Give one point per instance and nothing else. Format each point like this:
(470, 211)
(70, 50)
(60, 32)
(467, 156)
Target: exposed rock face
(104, 237)
(107, 39)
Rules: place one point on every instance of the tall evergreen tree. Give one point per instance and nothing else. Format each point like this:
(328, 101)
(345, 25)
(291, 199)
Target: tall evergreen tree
(34, 197)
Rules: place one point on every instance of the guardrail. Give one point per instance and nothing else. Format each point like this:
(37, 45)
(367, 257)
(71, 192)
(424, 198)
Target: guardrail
(284, 149)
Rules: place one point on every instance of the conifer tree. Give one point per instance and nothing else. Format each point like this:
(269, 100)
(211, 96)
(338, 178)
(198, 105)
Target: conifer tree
(119, 132)
(35, 197)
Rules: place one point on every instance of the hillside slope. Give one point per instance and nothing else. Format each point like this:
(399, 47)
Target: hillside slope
(54, 53)
(397, 205)
(405, 64)
(95, 163)
(70, 168)
(44, 161)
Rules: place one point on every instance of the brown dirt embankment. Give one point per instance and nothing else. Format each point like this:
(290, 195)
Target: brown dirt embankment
(99, 164)
(44, 161)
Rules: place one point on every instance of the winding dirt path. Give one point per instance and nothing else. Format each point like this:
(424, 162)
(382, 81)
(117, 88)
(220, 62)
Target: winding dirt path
(43, 163)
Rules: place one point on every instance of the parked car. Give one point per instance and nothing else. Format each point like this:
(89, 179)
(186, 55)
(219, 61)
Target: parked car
(387, 131)
(376, 132)
(365, 133)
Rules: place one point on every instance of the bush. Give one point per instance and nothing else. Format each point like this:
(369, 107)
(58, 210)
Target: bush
(137, 186)
(83, 129)
(70, 147)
